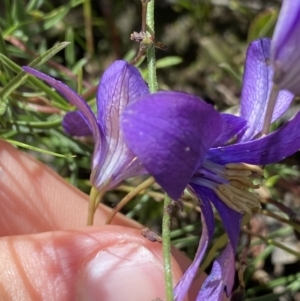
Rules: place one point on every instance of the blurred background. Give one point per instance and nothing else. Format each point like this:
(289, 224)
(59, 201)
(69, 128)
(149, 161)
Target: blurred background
(207, 41)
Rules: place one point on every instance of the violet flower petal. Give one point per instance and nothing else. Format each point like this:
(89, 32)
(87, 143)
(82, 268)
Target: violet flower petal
(77, 101)
(257, 85)
(216, 282)
(227, 214)
(232, 125)
(170, 133)
(285, 47)
(120, 85)
(207, 218)
(75, 124)
(224, 266)
(269, 149)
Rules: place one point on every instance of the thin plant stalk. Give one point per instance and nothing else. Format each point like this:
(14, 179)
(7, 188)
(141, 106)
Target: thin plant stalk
(153, 86)
(94, 200)
(129, 197)
(270, 241)
(166, 242)
(151, 61)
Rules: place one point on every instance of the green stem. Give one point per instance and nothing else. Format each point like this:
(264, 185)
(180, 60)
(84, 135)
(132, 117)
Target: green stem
(167, 248)
(153, 86)
(94, 193)
(95, 199)
(152, 79)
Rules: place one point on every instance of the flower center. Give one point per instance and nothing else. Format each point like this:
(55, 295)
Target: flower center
(233, 183)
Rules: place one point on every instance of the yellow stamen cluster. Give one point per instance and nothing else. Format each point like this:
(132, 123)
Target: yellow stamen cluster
(236, 195)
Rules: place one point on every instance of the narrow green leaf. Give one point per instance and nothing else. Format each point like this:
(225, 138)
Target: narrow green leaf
(2, 66)
(79, 65)
(8, 31)
(273, 283)
(262, 25)
(3, 108)
(33, 4)
(70, 51)
(40, 150)
(168, 61)
(37, 124)
(58, 102)
(20, 78)
(75, 3)
(3, 49)
(20, 15)
(55, 16)
(7, 9)
(268, 297)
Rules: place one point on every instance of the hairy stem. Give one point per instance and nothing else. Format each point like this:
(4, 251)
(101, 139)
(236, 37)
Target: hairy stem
(153, 86)
(152, 79)
(167, 248)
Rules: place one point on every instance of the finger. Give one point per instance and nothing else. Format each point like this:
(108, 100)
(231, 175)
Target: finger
(109, 263)
(35, 199)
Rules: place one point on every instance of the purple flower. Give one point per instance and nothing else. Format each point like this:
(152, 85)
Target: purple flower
(112, 161)
(171, 136)
(225, 175)
(285, 54)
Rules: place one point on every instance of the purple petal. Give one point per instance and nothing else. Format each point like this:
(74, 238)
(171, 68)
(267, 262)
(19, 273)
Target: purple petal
(171, 133)
(77, 101)
(224, 266)
(227, 214)
(257, 84)
(207, 218)
(269, 149)
(120, 85)
(232, 125)
(217, 281)
(76, 125)
(285, 47)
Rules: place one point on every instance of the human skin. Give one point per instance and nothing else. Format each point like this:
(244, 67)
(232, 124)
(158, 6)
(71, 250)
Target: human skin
(47, 252)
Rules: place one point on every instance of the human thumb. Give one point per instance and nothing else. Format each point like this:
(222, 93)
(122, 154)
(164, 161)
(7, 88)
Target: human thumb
(108, 263)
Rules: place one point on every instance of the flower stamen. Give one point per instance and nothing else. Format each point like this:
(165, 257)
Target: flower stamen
(229, 199)
(236, 199)
(237, 193)
(238, 185)
(243, 182)
(244, 166)
(233, 183)
(238, 172)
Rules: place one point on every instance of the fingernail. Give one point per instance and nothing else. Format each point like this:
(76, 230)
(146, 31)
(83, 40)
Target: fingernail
(127, 272)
